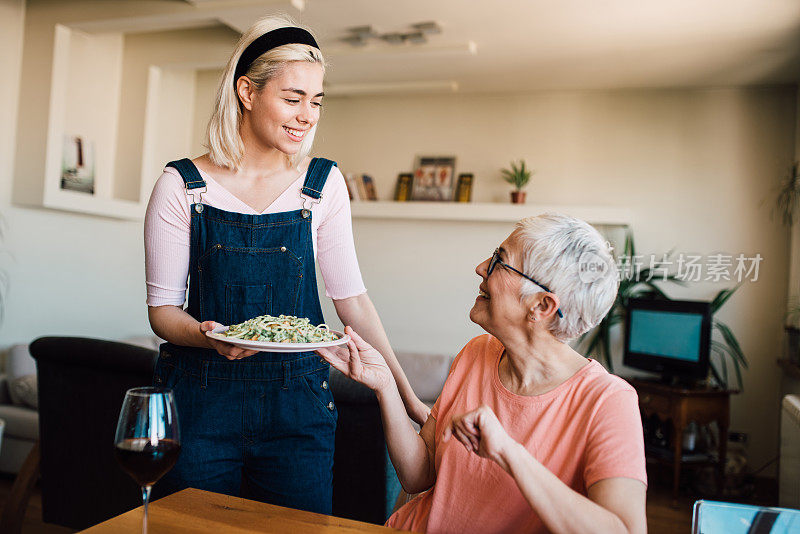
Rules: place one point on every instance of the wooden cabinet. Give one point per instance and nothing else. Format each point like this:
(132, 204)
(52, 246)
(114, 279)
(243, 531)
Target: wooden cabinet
(680, 405)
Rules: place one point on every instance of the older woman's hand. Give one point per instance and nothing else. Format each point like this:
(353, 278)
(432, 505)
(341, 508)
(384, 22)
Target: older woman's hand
(482, 433)
(360, 361)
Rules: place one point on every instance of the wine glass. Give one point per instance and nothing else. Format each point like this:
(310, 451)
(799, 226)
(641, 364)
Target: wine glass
(148, 440)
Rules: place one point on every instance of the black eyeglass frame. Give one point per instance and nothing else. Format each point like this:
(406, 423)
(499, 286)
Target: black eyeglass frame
(496, 259)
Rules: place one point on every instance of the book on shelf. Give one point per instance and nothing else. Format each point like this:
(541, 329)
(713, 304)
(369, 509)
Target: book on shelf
(369, 187)
(360, 187)
(352, 187)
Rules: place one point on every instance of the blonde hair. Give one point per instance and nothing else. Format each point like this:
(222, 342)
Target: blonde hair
(223, 140)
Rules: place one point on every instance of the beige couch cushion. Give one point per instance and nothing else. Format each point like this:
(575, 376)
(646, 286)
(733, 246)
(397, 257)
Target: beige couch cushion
(21, 422)
(23, 391)
(426, 373)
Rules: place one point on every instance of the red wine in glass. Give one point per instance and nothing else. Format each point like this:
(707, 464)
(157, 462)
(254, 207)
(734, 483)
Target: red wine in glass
(144, 462)
(147, 443)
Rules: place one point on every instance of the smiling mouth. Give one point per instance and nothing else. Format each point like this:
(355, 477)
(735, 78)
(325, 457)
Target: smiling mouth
(298, 134)
(484, 294)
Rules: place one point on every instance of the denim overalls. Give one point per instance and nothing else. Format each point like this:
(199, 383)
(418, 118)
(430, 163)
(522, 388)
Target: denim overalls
(262, 427)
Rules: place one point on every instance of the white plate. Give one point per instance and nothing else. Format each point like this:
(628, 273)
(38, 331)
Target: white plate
(270, 346)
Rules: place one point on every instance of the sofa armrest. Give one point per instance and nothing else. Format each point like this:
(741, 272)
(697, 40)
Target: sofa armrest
(5, 397)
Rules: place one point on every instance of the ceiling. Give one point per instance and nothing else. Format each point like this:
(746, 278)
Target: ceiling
(548, 44)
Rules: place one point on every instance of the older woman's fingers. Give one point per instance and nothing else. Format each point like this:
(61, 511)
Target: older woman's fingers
(336, 362)
(464, 438)
(446, 434)
(472, 436)
(356, 367)
(359, 341)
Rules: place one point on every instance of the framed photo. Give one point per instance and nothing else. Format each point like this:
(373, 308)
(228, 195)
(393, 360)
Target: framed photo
(402, 191)
(433, 178)
(77, 165)
(464, 188)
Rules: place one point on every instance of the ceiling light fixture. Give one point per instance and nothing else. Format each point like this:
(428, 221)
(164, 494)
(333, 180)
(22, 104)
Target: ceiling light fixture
(417, 35)
(428, 28)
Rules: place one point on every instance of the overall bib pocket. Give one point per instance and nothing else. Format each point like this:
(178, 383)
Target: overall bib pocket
(246, 301)
(227, 272)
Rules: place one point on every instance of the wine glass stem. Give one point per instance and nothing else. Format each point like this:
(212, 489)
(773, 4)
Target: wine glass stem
(146, 501)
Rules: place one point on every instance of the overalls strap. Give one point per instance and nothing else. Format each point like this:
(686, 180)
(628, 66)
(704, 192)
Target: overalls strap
(316, 176)
(189, 173)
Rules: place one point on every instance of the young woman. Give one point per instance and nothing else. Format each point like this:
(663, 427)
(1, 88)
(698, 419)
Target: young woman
(244, 223)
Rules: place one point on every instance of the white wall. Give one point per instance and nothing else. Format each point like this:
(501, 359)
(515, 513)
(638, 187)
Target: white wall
(697, 168)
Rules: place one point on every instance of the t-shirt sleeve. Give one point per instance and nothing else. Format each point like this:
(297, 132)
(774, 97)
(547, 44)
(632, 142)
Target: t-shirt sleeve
(166, 242)
(615, 445)
(336, 251)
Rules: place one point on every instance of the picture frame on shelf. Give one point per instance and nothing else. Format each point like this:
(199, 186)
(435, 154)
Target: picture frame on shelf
(433, 178)
(464, 187)
(77, 165)
(402, 192)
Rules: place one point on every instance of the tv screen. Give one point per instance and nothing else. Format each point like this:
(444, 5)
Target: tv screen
(670, 337)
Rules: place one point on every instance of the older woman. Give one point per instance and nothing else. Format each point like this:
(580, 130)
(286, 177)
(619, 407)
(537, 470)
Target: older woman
(527, 434)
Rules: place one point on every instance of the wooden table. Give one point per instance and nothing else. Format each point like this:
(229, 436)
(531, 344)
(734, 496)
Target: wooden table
(193, 510)
(679, 405)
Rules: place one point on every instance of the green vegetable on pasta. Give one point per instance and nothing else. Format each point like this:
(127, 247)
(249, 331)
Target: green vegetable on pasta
(281, 329)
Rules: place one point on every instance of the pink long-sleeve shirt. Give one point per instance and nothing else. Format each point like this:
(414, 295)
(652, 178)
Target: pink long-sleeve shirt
(166, 234)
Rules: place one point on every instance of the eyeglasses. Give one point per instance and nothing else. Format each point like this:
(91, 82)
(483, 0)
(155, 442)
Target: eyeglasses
(496, 259)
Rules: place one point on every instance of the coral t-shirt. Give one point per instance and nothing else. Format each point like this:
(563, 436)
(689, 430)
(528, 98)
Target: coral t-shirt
(585, 430)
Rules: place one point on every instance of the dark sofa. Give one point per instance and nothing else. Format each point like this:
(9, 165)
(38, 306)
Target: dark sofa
(82, 383)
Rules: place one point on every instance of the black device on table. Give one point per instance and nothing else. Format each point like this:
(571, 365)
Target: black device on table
(668, 337)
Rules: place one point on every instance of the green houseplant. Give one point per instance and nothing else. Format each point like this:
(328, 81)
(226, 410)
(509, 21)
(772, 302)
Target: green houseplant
(789, 195)
(786, 205)
(518, 176)
(637, 283)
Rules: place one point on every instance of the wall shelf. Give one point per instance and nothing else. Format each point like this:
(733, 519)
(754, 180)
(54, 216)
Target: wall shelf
(123, 96)
(484, 211)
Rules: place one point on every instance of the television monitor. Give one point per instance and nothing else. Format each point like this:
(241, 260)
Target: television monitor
(669, 337)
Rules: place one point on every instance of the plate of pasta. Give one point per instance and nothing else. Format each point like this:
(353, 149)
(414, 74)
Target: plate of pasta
(284, 333)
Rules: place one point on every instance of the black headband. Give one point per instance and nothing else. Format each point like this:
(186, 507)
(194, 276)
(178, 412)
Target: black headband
(268, 41)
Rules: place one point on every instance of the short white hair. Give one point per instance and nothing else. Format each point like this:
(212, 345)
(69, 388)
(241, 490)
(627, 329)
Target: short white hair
(573, 260)
(223, 140)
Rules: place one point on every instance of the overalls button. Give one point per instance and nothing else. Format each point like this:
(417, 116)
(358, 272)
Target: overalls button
(306, 214)
(324, 384)
(198, 208)
(283, 249)
(330, 406)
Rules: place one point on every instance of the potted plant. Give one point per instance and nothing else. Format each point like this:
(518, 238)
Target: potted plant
(518, 176)
(637, 284)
